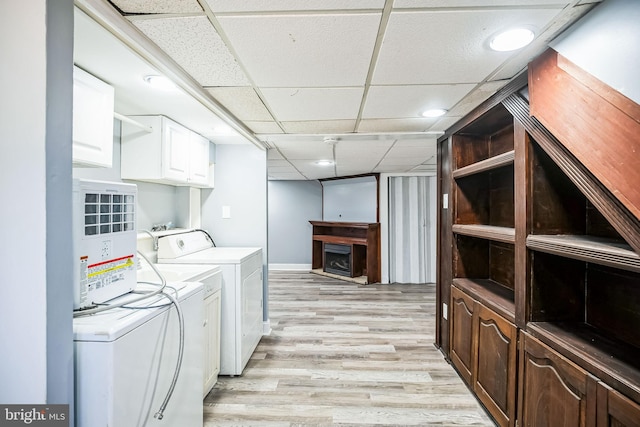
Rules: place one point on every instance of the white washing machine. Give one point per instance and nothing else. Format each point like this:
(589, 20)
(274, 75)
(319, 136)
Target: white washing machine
(125, 362)
(211, 278)
(242, 278)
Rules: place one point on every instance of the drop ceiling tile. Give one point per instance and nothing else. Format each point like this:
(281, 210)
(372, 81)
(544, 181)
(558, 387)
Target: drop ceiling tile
(411, 143)
(447, 47)
(306, 104)
(294, 176)
(385, 102)
(291, 5)
(273, 154)
(158, 6)
(196, 46)
(402, 161)
(309, 165)
(444, 123)
(395, 125)
(243, 102)
(475, 98)
(281, 169)
(399, 4)
(320, 127)
(278, 163)
(423, 152)
(393, 168)
(349, 171)
(304, 150)
(264, 127)
(312, 50)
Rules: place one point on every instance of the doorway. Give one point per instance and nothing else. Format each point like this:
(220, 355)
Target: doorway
(412, 217)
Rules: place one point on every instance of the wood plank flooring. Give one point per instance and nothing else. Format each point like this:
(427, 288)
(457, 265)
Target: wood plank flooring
(342, 354)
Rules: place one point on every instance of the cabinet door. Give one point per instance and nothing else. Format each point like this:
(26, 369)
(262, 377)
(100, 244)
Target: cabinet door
(462, 337)
(175, 151)
(198, 160)
(554, 392)
(495, 365)
(212, 341)
(92, 120)
(616, 410)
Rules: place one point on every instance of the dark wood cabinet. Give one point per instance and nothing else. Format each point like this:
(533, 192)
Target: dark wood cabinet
(554, 392)
(615, 410)
(462, 337)
(495, 365)
(483, 349)
(541, 253)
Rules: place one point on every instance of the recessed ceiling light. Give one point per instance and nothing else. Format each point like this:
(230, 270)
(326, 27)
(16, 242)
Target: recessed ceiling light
(434, 112)
(159, 82)
(512, 39)
(324, 162)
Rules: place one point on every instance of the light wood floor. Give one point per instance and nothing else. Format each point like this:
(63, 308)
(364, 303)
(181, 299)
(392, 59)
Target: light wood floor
(342, 354)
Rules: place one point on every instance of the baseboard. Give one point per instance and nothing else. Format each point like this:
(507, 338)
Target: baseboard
(295, 267)
(266, 327)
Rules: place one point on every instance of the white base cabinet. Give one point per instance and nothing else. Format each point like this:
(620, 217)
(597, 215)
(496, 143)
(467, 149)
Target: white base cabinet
(212, 336)
(169, 154)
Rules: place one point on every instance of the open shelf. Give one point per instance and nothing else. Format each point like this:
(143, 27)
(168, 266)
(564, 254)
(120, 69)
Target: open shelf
(597, 250)
(484, 261)
(499, 234)
(492, 294)
(486, 198)
(491, 163)
(612, 360)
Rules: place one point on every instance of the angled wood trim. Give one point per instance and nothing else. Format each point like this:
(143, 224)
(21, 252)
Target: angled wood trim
(514, 85)
(600, 134)
(610, 207)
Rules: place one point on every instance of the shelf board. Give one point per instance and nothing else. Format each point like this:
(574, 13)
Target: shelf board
(490, 293)
(597, 250)
(486, 165)
(491, 232)
(612, 361)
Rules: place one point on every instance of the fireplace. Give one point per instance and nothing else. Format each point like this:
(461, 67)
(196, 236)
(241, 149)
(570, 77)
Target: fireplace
(337, 259)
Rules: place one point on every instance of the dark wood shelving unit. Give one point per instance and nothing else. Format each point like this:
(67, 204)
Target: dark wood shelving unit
(539, 243)
(363, 238)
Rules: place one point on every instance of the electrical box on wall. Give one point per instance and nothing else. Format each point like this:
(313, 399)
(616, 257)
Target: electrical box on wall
(104, 241)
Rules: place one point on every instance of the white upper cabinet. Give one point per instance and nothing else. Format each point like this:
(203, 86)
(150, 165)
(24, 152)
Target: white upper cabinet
(92, 120)
(169, 154)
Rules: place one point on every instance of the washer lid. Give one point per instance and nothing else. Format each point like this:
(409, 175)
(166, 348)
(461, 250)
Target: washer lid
(215, 255)
(113, 324)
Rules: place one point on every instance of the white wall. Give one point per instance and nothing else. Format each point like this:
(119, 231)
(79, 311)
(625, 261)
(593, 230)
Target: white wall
(241, 185)
(36, 360)
(292, 204)
(350, 199)
(605, 44)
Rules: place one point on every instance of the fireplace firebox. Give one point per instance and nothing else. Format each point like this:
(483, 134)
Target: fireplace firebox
(337, 259)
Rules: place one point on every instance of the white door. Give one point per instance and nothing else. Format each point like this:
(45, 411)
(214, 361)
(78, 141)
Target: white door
(411, 229)
(175, 156)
